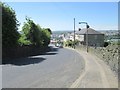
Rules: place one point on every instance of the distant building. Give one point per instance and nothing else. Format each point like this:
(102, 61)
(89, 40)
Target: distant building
(95, 38)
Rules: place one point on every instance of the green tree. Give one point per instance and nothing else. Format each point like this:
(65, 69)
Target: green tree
(10, 25)
(23, 40)
(46, 35)
(31, 31)
(49, 30)
(35, 34)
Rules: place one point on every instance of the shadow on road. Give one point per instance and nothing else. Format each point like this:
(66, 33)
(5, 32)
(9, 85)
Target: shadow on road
(48, 53)
(32, 59)
(51, 51)
(24, 61)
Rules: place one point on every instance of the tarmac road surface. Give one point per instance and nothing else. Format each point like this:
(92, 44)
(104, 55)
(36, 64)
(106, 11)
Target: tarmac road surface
(59, 68)
(55, 69)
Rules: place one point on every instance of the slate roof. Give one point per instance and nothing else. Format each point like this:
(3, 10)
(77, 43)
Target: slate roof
(90, 31)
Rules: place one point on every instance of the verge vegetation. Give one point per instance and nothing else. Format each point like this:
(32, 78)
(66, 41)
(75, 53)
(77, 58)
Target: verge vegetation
(31, 35)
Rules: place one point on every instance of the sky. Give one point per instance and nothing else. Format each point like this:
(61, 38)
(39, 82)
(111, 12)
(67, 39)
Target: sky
(59, 16)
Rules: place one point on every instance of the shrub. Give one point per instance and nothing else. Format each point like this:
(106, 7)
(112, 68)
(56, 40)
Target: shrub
(106, 44)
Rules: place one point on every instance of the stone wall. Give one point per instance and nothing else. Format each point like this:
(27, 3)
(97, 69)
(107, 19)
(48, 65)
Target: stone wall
(24, 51)
(109, 54)
(95, 40)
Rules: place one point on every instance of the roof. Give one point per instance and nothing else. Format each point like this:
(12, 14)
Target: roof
(90, 31)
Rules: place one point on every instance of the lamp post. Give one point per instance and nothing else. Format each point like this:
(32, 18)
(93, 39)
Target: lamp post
(87, 26)
(74, 33)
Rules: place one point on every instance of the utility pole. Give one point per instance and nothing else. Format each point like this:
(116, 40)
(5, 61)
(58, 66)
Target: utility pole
(74, 33)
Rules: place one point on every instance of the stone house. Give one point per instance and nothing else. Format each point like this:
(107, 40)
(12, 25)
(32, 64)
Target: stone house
(95, 38)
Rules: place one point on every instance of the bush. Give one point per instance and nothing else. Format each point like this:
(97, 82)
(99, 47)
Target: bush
(116, 43)
(71, 43)
(106, 44)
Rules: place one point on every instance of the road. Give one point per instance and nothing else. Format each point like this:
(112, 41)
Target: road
(59, 68)
(55, 69)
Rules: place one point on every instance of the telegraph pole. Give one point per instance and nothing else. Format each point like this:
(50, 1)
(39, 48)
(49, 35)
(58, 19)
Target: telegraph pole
(74, 33)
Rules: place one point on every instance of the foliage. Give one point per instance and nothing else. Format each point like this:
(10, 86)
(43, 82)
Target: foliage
(23, 40)
(10, 35)
(116, 42)
(71, 43)
(31, 32)
(106, 44)
(34, 34)
(49, 30)
(46, 37)
(109, 37)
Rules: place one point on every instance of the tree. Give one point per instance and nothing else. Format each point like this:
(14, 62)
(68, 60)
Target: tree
(49, 30)
(35, 34)
(32, 32)
(46, 34)
(23, 40)
(10, 25)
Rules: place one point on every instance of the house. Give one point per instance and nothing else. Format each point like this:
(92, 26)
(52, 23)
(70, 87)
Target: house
(95, 38)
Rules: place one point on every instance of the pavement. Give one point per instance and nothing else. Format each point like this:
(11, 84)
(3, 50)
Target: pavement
(96, 75)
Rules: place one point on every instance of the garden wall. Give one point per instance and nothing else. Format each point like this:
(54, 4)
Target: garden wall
(24, 51)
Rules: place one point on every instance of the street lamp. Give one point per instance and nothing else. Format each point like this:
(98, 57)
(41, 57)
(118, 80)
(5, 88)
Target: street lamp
(74, 33)
(87, 26)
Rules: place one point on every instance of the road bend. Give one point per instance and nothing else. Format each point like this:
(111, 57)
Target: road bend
(58, 68)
